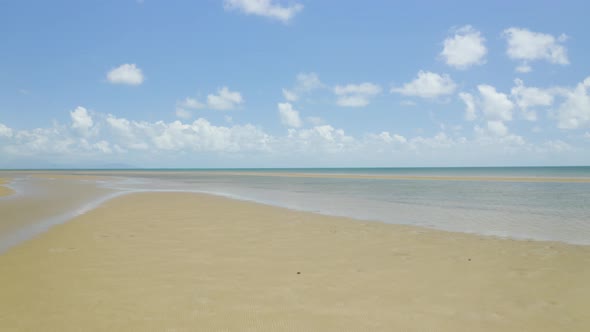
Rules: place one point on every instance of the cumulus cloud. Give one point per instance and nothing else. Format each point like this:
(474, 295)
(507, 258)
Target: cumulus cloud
(200, 135)
(183, 114)
(290, 95)
(153, 143)
(464, 49)
(128, 74)
(527, 46)
(314, 120)
(524, 68)
(266, 8)
(574, 112)
(386, 137)
(191, 103)
(497, 128)
(81, 121)
(530, 97)
(427, 85)
(5, 131)
(496, 106)
(289, 116)
(470, 110)
(356, 95)
(304, 83)
(323, 138)
(103, 146)
(225, 99)
(308, 81)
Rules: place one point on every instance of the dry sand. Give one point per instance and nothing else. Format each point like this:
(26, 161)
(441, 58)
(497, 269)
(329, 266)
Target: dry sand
(190, 262)
(5, 191)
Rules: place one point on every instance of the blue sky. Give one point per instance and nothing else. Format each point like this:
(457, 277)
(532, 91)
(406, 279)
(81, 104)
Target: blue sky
(269, 83)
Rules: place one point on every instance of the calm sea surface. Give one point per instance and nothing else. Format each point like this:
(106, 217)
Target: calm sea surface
(539, 209)
(530, 205)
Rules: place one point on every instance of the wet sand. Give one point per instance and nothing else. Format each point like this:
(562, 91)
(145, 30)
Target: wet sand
(191, 262)
(47, 199)
(5, 191)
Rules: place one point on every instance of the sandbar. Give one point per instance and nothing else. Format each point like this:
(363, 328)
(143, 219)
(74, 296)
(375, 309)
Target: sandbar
(193, 262)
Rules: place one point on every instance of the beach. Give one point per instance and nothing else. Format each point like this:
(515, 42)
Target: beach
(185, 262)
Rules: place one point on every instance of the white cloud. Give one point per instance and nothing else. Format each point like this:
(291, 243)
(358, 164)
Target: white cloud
(183, 114)
(103, 146)
(224, 99)
(127, 133)
(266, 8)
(465, 48)
(82, 121)
(314, 120)
(290, 95)
(191, 103)
(470, 110)
(497, 128)
(319, 139)
(495, 105)
(5, 131)
(528, 97)
(574, 112)
(182, 143)
(200, 135)
(128, 74)
(386, 137)
(289, 116)
(524, 68)
(304, 83)
(428, 85)
(308, 81)
(356, 95)
(526, 45)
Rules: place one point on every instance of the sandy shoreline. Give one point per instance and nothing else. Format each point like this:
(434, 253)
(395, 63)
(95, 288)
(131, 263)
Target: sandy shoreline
(46, 199)
(5, 191)
(184, 262)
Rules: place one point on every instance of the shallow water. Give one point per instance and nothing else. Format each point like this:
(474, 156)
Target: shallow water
(537, 210)
(556, 211)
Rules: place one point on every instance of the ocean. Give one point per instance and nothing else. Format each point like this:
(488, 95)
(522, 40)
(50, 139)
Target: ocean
(534, 203)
